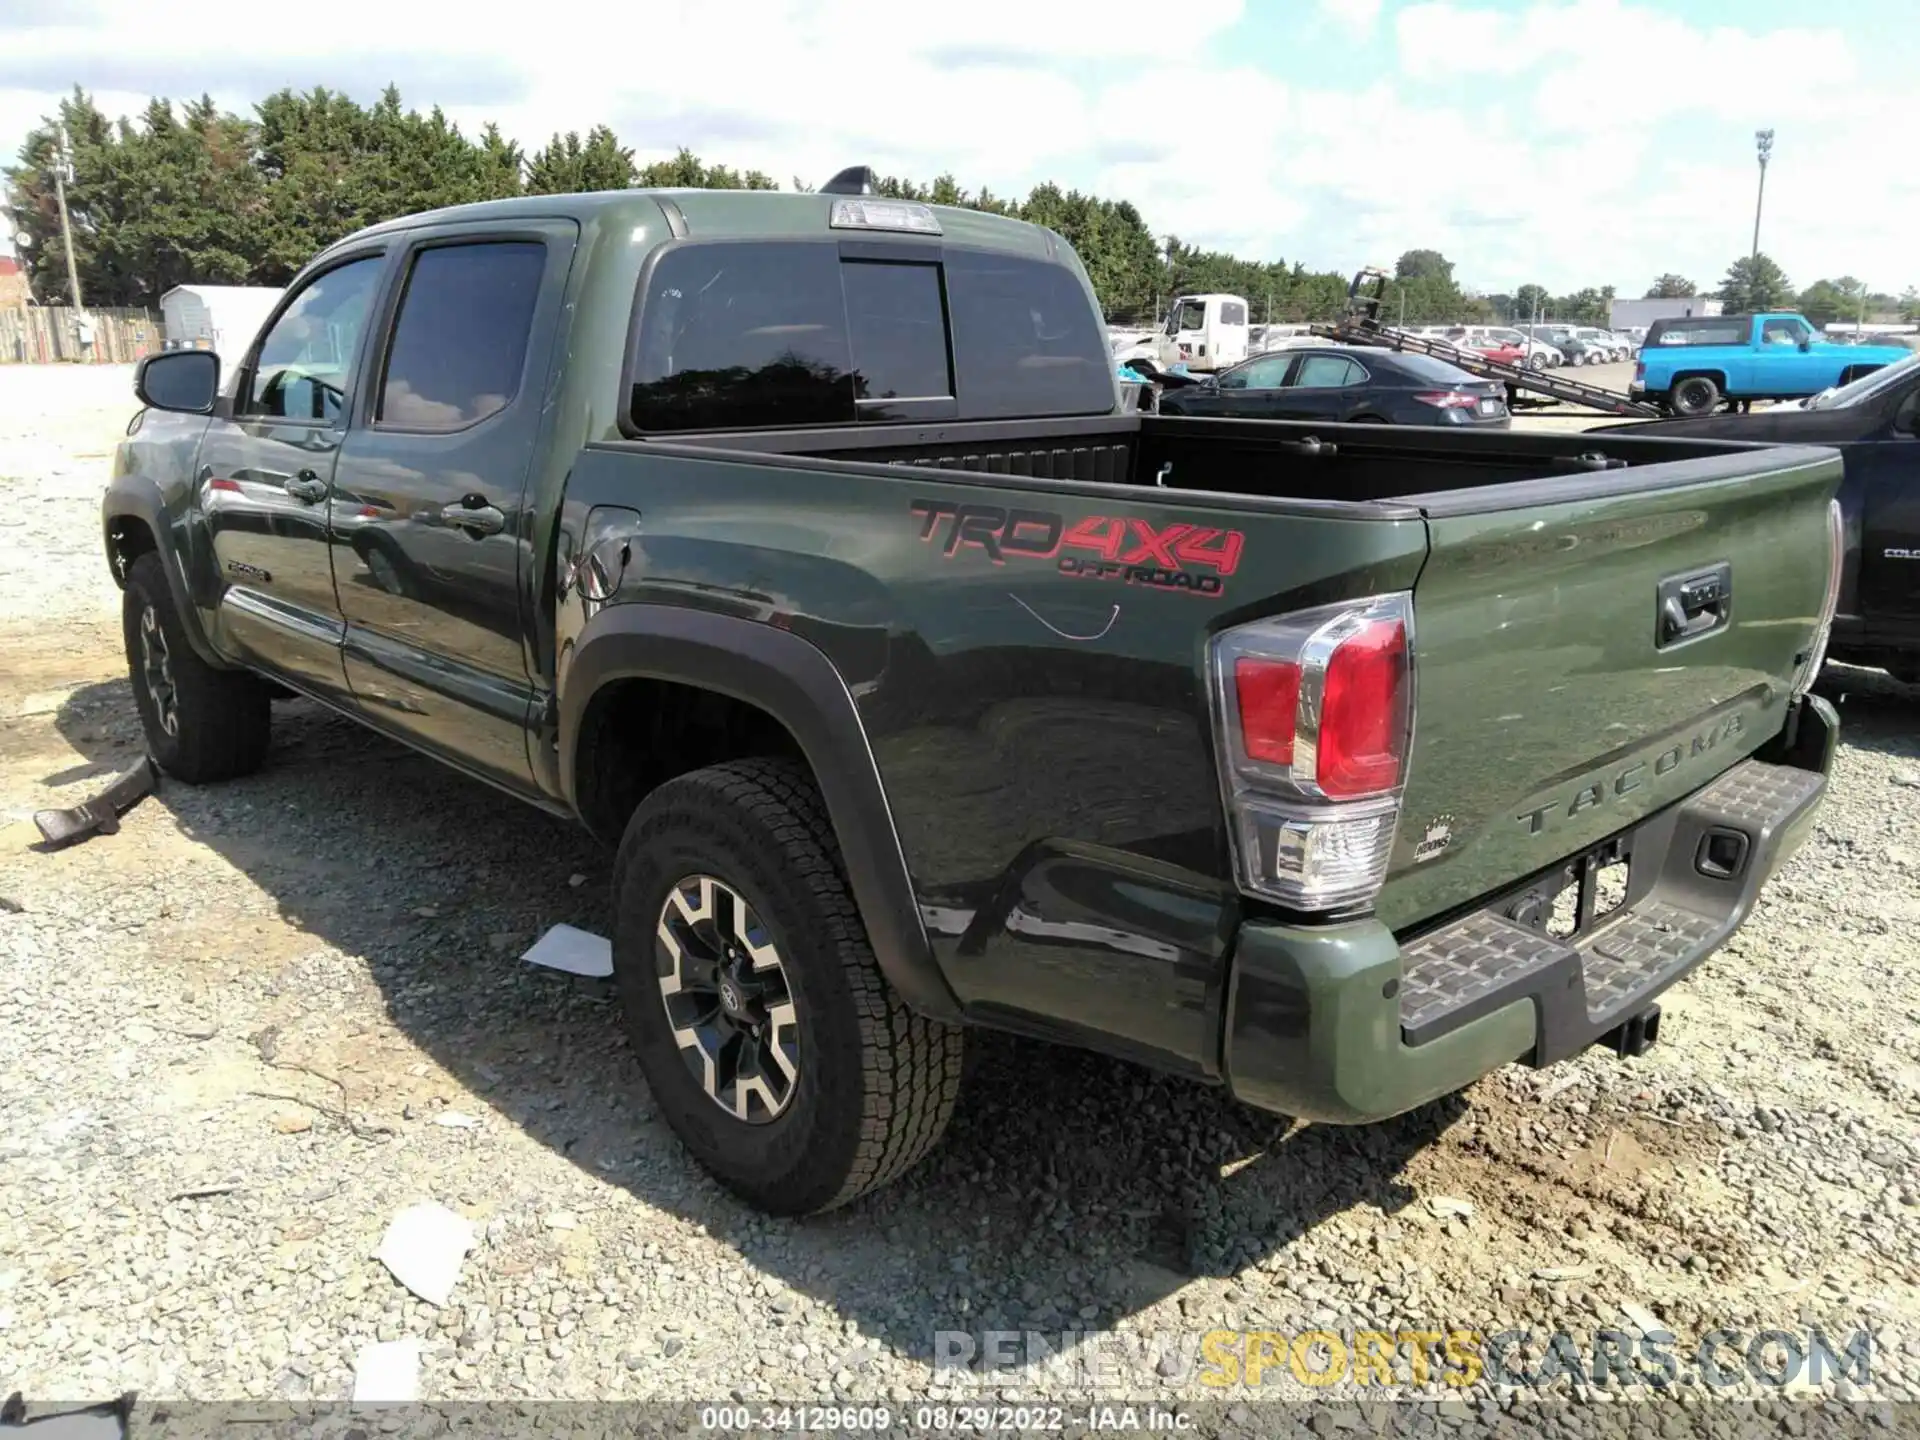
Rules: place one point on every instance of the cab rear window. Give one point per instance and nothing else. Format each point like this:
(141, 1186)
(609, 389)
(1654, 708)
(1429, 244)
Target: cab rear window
(755, 335)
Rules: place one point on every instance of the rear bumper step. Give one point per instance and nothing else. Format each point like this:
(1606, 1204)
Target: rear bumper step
(1696, 871)
(1348, 1024)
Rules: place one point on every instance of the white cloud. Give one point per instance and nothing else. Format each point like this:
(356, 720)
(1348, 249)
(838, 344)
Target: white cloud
(1357, 16)
(1571, 142)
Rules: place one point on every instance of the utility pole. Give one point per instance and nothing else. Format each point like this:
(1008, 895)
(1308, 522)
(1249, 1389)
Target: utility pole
(62, 166)
(1763, 143)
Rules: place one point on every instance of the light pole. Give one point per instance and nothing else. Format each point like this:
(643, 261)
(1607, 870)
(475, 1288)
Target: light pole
(62, 167)
(1763, 143)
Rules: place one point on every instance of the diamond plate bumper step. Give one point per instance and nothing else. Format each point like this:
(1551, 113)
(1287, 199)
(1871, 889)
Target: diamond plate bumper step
(1696, 870)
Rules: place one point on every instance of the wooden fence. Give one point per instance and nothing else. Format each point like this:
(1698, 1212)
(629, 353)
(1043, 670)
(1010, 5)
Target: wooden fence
(40, 335)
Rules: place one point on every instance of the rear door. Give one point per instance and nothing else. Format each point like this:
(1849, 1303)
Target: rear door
(265, 468)
(1321, 387)
(430, 523)
(1554, 707)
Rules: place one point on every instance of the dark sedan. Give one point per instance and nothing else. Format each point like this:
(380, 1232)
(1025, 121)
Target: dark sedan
(1359, 384)
(1874, 422)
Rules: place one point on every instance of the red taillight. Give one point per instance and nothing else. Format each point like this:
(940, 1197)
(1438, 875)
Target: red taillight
(1640, 370)
(232, 486)
(1362, 713)
(1314, 717)
(1447, 399)
(1268, 692)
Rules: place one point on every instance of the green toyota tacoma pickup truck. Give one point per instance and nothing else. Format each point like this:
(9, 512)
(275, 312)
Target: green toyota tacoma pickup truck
(800, 546)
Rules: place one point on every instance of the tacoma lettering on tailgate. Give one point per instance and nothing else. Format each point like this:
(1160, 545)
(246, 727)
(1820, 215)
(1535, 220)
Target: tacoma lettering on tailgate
(1610, 787)
(1097, 547)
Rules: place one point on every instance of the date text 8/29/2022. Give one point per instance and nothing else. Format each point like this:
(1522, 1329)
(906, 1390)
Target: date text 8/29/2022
(944, 1419)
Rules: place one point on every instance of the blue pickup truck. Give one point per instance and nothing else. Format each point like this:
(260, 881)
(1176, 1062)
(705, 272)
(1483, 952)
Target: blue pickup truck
(1689, 366)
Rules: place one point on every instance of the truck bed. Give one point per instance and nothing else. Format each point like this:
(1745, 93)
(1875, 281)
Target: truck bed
(1271, 459)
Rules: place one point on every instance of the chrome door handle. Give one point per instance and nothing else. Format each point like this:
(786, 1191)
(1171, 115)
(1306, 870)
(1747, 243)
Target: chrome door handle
(479, 519)
(306, 486)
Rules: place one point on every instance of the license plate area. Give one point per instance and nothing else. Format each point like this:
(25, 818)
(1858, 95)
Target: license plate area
(1571, 902)
(1489, 406)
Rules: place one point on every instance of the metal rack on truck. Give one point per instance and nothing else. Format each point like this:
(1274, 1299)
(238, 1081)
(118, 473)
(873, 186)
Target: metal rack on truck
(1361, 326)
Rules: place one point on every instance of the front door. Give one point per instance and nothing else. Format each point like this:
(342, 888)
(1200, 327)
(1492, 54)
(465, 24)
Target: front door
(430, 521)
(1887, 470)
(265, 467)
(1245, 393)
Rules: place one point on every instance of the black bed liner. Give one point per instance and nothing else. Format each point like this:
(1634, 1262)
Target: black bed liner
(1268, 458)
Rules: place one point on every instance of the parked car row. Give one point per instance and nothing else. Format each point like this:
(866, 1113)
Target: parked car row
(1584, 344)
(1540, 346)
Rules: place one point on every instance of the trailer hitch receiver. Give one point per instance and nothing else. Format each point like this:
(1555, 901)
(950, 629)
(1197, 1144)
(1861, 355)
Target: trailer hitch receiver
(1635, 1035)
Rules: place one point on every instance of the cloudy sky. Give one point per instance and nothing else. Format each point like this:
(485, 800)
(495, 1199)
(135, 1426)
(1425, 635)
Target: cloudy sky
(1569, 142)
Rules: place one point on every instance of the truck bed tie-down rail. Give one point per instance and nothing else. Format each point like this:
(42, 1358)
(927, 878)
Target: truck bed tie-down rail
(1361, 326)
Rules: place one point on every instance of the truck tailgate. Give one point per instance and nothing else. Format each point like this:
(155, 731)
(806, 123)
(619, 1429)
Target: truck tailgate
(1556, 704)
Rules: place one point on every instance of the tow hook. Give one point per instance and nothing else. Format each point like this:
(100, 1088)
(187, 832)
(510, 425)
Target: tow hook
(1634, 1036)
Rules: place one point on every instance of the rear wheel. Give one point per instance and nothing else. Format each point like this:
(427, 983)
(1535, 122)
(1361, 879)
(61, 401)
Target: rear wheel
(771, 1041)
(1536, 361)
(201, 724)
(1695, 395)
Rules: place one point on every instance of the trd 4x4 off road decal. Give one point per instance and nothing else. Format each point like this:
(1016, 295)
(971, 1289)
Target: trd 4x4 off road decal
(1099, 547)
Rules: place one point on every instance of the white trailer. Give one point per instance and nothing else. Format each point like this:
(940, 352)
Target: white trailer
(220, 318)
(1640, 314)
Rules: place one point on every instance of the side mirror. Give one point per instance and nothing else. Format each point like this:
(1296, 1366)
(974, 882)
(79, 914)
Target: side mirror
(1805, 345)
(186, 381)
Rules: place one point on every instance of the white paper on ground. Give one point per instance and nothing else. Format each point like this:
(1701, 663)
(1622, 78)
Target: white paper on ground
(387, 1371)
(577, 952)
(423, 1247)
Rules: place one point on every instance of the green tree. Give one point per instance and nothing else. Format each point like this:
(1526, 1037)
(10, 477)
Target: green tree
(1423, 265)
(1530, 301)
(1671, 287)
(92, 200)
(1825, 301)
(686, 169)
(568, 165)
(1754, 283)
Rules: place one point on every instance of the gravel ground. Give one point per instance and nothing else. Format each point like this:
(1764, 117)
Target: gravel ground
(238, 1030)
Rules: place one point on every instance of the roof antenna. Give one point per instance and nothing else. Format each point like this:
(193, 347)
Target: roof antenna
(854, 180)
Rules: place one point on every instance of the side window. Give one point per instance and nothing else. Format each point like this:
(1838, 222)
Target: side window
(1782, 332)
(460, 339)
(1324, 372)
(1192, 316)
(1267, 374)
(305, 364)
(1232, 312)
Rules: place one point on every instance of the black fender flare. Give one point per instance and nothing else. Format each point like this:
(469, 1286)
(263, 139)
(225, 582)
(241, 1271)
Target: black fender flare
(793, 681)
(134, 497)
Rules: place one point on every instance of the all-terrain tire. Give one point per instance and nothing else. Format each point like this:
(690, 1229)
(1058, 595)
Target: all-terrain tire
(876, 1084)
(1695, 395)
(202, 724)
